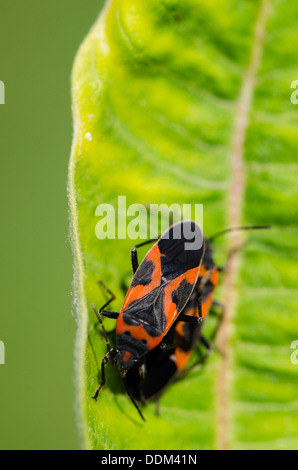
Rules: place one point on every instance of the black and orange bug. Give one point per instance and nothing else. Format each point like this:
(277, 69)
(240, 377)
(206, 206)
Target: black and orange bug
(170, 295)
(162, 366)
(160, 289)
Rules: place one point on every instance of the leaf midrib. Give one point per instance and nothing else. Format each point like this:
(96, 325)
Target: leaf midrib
(235, 205)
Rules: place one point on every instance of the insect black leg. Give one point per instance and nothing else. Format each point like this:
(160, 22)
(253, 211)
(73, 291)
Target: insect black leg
(131, 398)
(189, 319)
(102, 326)
(200, 361)
(109, 314)
(219, 314)
(110, 356)
(113, 297)
(230, 256)
(218, 305)
(102, 311)
(210, 345)
(206, 344)
(134, 254)
(167, 347)
(199, 301)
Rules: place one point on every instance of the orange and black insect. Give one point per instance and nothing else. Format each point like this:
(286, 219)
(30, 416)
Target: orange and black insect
(161, 287)
(165, 364)
(160, 321)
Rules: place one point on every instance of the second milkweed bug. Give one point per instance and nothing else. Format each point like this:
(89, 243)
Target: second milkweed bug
(160, 289)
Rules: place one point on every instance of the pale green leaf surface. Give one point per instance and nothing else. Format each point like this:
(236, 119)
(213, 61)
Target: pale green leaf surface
(156, 86)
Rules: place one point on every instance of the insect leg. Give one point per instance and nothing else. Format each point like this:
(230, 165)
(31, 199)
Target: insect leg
(102, 326)
(199, 302)
(230, 256)
(218, 305)
(109, 314)
(110, 356)
(102, 311)
(189, 319)
(167, 347)
(219, 314)
(210, 345)
(105, 313)
(113, 297)
(200, 361)
(131, 398)
(206, 344)
(134, 254)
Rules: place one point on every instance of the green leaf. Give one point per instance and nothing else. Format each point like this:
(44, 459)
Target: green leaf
(189, 102)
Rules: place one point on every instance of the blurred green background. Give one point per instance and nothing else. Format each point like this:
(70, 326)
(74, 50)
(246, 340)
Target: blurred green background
(38, 42)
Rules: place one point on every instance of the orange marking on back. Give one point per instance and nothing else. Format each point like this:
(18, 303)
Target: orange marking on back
(136, 293)
(137, 332)
(126, 356)
(170, 309)
(181, 357)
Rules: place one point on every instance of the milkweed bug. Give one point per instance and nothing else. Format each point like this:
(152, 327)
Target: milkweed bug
(170, 295)
(160, 289)
(162, 366)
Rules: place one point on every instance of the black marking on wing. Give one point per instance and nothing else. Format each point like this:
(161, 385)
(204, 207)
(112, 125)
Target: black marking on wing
(192, 302)
(181, 295)
(148, 311)
(207, 290)
(143, 276)
(176, 259)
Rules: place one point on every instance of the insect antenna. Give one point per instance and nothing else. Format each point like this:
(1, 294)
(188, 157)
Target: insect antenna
(238, 229)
